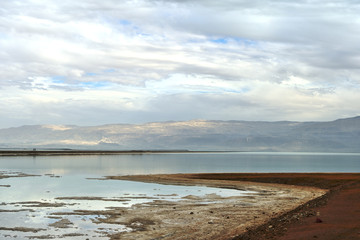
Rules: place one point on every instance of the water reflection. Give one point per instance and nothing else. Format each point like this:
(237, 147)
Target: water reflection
(35, 206)
(101, 165)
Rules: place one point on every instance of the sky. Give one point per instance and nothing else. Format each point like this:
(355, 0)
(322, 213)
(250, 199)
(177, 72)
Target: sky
(91, 62)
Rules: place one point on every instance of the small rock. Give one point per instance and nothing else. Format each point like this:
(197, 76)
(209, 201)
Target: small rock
(191, 212)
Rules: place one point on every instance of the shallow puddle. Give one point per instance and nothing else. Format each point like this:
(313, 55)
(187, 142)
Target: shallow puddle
(53, 206)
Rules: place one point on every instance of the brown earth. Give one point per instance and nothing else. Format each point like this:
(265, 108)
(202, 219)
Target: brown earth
(337, 212)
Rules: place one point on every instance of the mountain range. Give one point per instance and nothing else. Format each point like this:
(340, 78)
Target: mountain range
(342, 135)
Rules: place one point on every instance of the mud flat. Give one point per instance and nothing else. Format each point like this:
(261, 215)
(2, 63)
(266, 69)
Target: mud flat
(333, 215)
(281, 206)
(210, 216)
(5, 174)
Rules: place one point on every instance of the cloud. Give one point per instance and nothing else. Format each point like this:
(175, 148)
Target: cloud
(228, 59)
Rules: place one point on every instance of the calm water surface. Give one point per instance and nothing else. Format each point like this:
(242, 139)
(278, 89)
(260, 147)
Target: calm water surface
(68, 176)
(103, 165)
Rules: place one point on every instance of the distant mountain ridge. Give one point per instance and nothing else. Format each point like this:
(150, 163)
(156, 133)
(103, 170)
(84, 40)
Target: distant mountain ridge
(342, 135)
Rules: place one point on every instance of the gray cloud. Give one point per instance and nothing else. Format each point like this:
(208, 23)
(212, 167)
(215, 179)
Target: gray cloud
(303, 51)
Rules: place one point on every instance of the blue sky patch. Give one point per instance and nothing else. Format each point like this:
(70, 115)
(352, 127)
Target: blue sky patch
(124, 22)
(219, 40)
(227, 40)
(58, 79)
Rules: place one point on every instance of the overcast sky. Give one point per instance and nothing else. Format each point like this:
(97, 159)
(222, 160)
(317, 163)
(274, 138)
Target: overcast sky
(92, 62)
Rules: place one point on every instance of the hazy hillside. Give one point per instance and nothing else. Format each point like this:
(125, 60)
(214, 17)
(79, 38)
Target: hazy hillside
(342, 135)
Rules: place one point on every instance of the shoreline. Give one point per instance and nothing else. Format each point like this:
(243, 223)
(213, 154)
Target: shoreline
(278, 206)
(228, 219)
(333, 215)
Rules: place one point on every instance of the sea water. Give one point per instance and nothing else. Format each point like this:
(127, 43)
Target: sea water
(70, 181)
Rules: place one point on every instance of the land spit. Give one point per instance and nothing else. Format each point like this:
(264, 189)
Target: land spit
(71, 152)
(210, 216)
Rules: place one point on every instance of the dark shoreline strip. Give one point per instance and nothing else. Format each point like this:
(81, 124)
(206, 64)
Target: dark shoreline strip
(7, 153)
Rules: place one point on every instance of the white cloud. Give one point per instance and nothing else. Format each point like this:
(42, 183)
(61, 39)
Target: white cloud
(130, 61)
